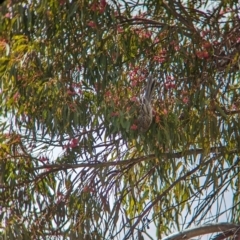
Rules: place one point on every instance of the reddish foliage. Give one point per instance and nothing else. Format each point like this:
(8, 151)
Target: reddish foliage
(185, 100)
(7, 15)
(114, 114)
(134, 127)
(169, 85)
(134, 83)
(157, 119)
(134, 99)
(92, 24)
(207, 45)
(71, 92)
(202, 54)
(165, 111)
(159, 59)
(143, 34)
(205, 33)
(62, 2)
(99, 6)
(74, 142)
(120, 29)
(88, 189)
(43, 159)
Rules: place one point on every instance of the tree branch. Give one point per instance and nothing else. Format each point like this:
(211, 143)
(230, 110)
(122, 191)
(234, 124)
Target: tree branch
(202, 230)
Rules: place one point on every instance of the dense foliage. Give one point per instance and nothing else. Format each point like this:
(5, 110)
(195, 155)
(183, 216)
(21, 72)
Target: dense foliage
(73, 163)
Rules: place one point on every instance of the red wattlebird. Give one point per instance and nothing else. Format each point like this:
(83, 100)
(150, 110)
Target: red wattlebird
(145, 113)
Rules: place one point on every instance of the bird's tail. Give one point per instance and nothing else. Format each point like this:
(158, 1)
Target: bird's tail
(149, 88)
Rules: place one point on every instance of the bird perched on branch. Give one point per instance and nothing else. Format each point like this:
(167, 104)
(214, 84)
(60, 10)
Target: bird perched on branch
(144, 119)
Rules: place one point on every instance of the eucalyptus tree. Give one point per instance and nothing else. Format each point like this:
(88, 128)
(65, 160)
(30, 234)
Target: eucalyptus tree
(73, 162)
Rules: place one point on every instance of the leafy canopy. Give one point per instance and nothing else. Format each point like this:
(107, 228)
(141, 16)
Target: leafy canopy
(73, 164)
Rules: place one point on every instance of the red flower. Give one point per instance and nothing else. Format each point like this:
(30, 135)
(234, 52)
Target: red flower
(134, 127)
(170, 85)
(159, 59)
(88, 189)
(176, 47)
(92, 24)
(70, 92)
(207, 45)
(167, 85)
(165, 111)
(215, 43)
(185, 100)
(134, 99)
(202, 54)
(108, 93)
(163, 52)
(94, 7)
(62, 2)
(169, 78)
(157, 119)
(205, 32)
(120, 29)
(74, 143)
(43, 159)
(114, 114)
(134, 83)
(7, 15)
(100, 6)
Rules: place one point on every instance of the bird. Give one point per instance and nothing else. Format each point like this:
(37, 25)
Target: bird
(144, 119)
